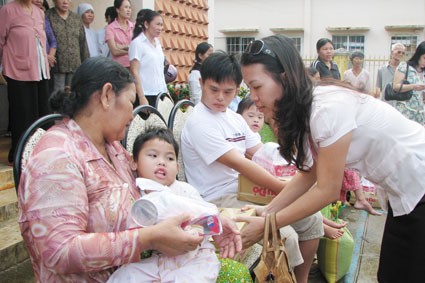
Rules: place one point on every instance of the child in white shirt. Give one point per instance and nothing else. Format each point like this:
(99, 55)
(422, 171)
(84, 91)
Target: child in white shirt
(155, 158)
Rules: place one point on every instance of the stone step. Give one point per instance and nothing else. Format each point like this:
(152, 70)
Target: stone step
(6, 177)
(12, 248)
(8, 205)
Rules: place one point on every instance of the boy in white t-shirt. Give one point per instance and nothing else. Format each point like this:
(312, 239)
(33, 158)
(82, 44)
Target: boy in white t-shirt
(214, 143)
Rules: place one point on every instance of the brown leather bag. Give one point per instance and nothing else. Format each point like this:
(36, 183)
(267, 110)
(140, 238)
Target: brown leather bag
(273, 265)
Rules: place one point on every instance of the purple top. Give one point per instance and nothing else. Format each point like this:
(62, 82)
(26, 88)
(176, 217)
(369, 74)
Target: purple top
(50, 37)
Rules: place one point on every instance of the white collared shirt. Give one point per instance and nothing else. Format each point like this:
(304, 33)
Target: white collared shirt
(151, 58)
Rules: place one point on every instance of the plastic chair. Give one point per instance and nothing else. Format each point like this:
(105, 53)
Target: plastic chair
(164, 103)
(28, 141)
(178, 116)
(144, 116)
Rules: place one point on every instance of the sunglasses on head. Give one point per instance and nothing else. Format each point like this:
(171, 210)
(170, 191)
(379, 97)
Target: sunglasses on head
(257, 47)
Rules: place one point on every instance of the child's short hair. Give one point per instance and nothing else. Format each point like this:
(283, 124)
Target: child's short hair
(244, 104)
(221, 67)
(163, 134)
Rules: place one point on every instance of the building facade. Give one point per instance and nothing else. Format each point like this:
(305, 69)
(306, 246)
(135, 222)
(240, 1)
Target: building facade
(369, 26)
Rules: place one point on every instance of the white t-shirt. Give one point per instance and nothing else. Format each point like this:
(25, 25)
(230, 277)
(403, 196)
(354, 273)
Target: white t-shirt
(206, 136)
(386, 148)
(360, 82)
(195, 86)
(151, 60)
(91, 38)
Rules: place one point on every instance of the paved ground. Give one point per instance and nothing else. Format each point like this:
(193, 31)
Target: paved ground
(367, 233)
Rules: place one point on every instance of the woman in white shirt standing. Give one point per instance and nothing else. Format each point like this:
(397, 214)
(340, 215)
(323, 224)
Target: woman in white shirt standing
(147, 57)
(203, 50)
(342, 128)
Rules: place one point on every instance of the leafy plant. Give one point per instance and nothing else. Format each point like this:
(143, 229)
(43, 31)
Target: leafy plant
(243, 92)
(178, 91)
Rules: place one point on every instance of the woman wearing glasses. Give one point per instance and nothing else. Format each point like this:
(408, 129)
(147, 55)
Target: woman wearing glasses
(342, 128)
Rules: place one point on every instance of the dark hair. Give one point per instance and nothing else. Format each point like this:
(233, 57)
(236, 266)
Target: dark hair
(46, 5)
(321, 42)
(144, 15)
(244, 104)
(117, 5)
(152, 132)
(111, 13)
(89, 78)
(420, 50)
(356, 53)
(221, 67)
(294, 108)
(201, 49)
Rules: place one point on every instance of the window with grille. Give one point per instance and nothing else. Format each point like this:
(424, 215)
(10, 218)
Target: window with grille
(348, 42)
(410, 41)
(297, 43)
(237, 45)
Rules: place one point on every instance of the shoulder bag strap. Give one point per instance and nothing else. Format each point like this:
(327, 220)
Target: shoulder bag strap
(405, 77)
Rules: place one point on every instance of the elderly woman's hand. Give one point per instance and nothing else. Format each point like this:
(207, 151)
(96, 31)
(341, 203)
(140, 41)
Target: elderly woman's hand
(253, 231)
(229, 241)
(169, 238)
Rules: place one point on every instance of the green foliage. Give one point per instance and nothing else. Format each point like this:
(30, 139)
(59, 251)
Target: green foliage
(178, 92)
(243, 91)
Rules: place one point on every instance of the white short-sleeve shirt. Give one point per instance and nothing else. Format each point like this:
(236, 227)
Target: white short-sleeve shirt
(151, 58)
(386, 148)
(206, 136)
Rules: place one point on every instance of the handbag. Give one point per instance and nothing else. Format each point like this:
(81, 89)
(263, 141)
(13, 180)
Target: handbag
(391, 94)
(273, 265)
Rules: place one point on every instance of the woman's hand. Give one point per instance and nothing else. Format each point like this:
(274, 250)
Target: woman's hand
(259, 209)
(418, 87)
(52, 60)
(169, 238)
(253, 231)
(229, 241)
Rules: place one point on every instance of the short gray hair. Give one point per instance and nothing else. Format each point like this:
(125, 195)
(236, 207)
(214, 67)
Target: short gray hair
(397, 45)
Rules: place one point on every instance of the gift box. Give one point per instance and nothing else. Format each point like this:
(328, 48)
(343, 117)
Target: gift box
(249, 191)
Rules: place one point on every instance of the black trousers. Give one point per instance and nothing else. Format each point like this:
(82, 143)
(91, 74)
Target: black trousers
(403, 247)
(28, 101)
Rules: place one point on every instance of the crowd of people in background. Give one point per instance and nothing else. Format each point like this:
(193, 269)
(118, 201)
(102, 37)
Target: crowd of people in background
(42, 48)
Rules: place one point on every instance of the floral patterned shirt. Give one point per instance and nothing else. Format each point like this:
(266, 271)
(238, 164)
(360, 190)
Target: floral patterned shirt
(72, 47)
(74, 207)
(414, 107)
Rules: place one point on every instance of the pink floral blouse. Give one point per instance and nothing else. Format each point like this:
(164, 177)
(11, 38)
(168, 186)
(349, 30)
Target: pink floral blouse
(73, 208)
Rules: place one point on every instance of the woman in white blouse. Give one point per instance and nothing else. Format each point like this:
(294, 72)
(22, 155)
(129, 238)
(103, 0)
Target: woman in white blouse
(203, 50)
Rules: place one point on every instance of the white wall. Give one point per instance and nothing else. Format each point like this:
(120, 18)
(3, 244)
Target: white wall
(314, 16)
